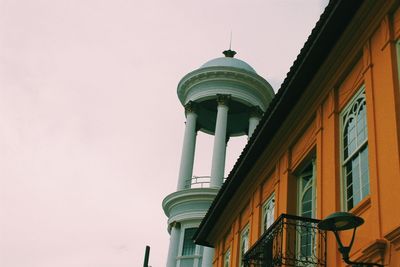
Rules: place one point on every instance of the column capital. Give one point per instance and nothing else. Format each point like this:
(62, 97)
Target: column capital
(223, 99)
(190, 107)
(256, 111)
(175, 224)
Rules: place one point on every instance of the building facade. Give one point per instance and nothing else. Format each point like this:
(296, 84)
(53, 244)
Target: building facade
(329, 142)
(225, 97)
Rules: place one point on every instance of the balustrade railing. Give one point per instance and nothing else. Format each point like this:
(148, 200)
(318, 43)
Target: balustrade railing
(289, 241)
(198, 182)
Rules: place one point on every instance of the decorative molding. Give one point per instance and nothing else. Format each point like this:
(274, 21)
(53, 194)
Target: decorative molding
(190, 107)
(223, 99)
(362, 206)
(257, 85)
(189, 217)
(284, 163)
(172, 225)
(244, 95)
(331, 103)
(374, 252)
(396, 24)
(175, 224)
(318, 121)
(352, 84)
(303, 144)
(224, 75)
(394, 237)
(174, 202)
(385, 32)
(367, 56)
(256, 111)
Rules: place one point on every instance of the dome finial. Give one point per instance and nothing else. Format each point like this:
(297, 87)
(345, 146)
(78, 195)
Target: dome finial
(229, 52)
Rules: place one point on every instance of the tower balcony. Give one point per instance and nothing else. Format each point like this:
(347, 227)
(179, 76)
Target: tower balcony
(289, 241)
(190, 204)
(198, 182)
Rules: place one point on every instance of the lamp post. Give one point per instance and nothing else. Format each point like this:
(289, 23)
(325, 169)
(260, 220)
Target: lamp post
(146, 257)
(340, 221)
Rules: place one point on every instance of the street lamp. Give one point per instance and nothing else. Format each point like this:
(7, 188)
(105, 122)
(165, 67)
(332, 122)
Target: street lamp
(340, 221)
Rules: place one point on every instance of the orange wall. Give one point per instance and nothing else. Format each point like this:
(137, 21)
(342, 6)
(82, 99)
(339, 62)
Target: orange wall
(368, 60)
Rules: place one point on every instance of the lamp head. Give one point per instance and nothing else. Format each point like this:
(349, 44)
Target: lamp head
(340, 221)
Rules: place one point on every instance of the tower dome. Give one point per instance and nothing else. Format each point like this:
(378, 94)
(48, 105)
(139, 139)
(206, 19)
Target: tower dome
(229, 62)
(225, 76)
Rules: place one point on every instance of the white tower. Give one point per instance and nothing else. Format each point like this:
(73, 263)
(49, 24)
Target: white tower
(224, 97)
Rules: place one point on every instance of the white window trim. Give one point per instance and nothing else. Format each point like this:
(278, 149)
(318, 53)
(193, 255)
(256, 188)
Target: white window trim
(245, 230)
(270, 199)
(227, 253)
(300, 193)
(313, 189)
(343, 189)
(181, 240)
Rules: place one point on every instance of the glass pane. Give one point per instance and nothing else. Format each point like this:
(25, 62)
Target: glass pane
(305, 242)
(244, 244)
(227, 258)
(189, 246)
(362, 125)
(355, 151)
(268, 211)
(364, 172)
(349, 191)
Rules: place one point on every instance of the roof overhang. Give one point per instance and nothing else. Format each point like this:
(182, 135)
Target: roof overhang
(319, 44)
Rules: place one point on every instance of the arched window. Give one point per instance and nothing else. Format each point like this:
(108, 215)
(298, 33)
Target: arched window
(355, 168)
(306, 239)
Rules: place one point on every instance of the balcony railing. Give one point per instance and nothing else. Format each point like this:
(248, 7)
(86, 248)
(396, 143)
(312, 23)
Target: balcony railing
(198, 182)
(289, 241)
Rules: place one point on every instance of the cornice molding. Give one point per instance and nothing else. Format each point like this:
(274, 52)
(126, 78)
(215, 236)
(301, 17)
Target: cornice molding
(194, 216)
(223, 99)
(191, 107)
(227, 74)
(192, 195)
(394, 237)
(373, 252)
(256, 111)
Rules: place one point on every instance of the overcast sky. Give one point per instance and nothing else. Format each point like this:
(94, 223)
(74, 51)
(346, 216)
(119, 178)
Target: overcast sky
(90, 124)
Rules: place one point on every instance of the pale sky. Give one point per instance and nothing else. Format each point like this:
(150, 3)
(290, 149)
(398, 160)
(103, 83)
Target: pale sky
(90, 124)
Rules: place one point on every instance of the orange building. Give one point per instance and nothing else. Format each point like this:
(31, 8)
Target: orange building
(329, 142)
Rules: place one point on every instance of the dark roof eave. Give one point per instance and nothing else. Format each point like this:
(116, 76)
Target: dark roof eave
(322, 39)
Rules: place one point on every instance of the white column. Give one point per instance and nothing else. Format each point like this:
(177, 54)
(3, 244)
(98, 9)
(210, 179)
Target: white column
(173, 245)
(188, 149)
(208, 254)
(254, 119)
(219, 150)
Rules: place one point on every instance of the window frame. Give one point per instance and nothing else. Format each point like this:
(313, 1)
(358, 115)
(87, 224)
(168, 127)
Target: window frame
(227, 261)
(312, 186)
(270, 199)
(194, 229)
(302, 189)
(245, 232)
(361, 92)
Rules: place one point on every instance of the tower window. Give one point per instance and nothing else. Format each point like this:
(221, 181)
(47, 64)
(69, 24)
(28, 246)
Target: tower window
(189, 246)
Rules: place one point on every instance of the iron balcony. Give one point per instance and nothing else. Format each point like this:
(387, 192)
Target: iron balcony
(289, 241)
